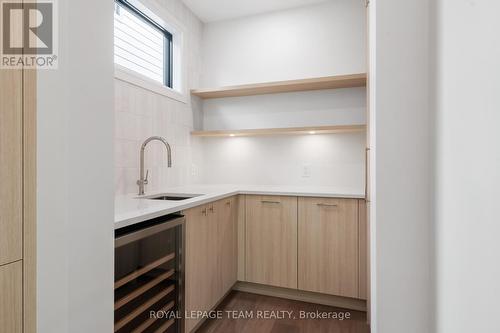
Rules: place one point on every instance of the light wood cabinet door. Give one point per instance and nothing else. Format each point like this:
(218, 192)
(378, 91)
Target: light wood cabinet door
(211, 255)
(11, 167)
(11, 297)
(363, 249)
(227, 255)
(368, 267)
(200, 263)
(241, 230)
(328, 246)
(271, 240)
(17, 199)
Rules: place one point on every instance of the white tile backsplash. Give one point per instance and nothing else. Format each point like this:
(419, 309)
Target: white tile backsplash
(333, 160)
(336, 160)
(141, 113)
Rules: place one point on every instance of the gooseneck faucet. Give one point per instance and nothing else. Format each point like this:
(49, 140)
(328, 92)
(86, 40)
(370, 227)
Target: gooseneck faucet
(144, 180)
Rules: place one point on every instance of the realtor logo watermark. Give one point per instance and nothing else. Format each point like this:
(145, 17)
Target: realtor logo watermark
(28, 34)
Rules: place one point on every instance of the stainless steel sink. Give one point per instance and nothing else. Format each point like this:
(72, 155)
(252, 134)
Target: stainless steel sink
(171, 197)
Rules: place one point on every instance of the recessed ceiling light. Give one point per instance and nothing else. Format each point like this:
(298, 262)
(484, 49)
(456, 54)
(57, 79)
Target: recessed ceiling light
(231, 134)
(312, 132)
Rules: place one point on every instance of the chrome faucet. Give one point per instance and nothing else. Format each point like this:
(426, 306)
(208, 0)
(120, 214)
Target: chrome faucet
(144, 180)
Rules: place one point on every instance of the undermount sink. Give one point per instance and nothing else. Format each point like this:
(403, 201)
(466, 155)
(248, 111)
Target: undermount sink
(171, 197)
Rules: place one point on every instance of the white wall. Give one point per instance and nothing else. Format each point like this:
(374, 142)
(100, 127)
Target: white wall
(402, 277)
(468, 164)
(75, 175)
(332, 160)
(311, 108)
(318, 40)
(141, 113)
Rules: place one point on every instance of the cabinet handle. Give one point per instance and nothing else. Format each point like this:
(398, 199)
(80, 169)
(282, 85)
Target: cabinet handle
(211, 209)
(270, 202)
(367, 156)
(204, 211)
(327, 205)
(228, 203)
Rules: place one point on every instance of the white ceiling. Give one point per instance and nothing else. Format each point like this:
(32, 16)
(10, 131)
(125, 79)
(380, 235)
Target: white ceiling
(217, 10)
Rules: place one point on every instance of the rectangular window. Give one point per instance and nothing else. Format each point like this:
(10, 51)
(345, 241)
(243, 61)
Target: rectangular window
(141, 44)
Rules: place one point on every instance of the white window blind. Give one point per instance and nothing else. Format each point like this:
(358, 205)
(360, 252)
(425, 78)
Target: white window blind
(140, 46)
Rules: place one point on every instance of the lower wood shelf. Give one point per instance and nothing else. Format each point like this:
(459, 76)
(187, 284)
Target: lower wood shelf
(144, 287)
(137, 310)
(150, 321)
(282, 131)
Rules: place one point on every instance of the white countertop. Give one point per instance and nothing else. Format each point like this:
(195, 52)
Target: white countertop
(129, 209)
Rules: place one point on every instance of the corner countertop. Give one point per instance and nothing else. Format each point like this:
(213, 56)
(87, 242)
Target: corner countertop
(131, 209)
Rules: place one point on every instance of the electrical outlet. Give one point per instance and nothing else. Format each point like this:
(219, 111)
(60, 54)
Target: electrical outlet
(194, 170)
(306, 170)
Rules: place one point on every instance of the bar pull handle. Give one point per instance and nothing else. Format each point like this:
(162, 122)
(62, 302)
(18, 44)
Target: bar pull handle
(326, 205)
(270, 202)
(367, 157)
(211, 209)
(204, 211)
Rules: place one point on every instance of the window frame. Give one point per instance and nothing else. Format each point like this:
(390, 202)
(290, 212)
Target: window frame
(168, 63)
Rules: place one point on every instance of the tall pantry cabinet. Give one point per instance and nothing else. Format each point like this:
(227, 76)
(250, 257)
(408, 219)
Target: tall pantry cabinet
(17, 200)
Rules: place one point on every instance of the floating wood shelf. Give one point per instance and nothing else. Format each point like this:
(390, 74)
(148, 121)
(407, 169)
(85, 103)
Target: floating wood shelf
(329, 82)
(282, 131)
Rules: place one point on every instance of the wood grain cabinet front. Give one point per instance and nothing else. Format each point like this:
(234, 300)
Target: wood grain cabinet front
(200, 263)
(211, 255)
(18, 199)
(11, 298)
(11, 177)
(310, 244)
(328, 250)
(227, 244)
(271, 240)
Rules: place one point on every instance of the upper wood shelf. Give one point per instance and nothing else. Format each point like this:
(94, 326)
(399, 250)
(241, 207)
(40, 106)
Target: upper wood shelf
(329, 82)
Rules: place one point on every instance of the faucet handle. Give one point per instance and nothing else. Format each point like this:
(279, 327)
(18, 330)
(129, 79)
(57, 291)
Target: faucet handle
(146, 179)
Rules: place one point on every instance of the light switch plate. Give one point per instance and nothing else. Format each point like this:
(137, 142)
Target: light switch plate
(194, 170)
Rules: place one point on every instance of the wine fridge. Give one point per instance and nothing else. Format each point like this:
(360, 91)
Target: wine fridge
(149, 276)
